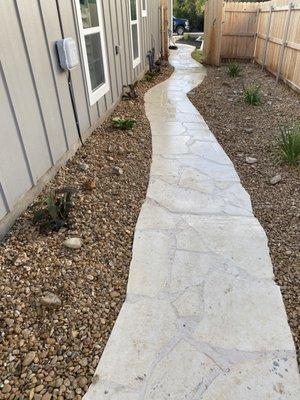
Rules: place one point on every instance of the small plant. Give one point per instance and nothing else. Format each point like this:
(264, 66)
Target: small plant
(148, 77)
(123, 124)
(234, 69)
(56, 211)
(186, 36)
(252, 95)
(287, 147)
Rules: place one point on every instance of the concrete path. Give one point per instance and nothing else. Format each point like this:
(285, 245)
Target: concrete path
(203, 317)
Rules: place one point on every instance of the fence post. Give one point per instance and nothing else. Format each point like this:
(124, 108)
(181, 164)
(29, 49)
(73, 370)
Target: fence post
(213, 17)
(284, 39)
(256, 34)
(267, 37)
(164, 29)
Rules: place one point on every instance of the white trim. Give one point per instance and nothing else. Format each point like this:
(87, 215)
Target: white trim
(135, 61)
(94, 95)
(144, 10)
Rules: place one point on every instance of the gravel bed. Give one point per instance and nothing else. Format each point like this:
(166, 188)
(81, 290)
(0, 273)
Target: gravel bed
(52, 353)
(190, 42)
(248, 131)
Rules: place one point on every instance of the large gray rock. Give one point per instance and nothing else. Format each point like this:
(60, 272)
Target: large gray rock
(275, 179)
(73, 243)
(50, 301)
(251, 160)
(83, 166)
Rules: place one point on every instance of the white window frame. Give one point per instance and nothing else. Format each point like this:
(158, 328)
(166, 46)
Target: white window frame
(144, 10)
(94, 95)
(135, 61)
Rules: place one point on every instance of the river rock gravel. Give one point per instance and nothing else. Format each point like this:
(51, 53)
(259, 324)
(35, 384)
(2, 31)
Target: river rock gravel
(51, 352)
(246, 132)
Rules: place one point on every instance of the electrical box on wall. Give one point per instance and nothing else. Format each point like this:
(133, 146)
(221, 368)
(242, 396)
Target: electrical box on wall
(67, 53)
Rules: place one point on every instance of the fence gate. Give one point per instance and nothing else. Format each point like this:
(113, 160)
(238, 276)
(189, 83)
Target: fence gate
(239, 30)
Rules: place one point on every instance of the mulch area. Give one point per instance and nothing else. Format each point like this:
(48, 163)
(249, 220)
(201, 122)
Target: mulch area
(52, 353)
(220, 100)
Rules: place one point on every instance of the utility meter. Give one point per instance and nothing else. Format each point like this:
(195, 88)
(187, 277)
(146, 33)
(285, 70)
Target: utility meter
(67, 53)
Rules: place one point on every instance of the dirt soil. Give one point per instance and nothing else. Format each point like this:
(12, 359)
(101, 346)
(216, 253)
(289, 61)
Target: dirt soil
(52, 353)
(249, 131)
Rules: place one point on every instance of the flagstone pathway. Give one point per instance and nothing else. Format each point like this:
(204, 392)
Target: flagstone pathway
(203, 318)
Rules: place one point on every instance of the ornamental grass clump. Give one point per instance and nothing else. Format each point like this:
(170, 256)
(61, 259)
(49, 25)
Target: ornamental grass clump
(287, 148)
(252, 95)
(234, 69)
(123, 124)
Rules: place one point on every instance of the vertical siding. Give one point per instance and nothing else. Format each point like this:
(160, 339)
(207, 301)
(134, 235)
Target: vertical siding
(127, 39)
(110, 53)
(37, 119)
(22, 90)
(33, 28)
(52, 33)
(114, 26)
(4, 209)
(125, 56)
(15, 179)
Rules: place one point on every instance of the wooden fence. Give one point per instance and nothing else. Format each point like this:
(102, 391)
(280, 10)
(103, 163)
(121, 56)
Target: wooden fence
(278, 40)
(268, 33)
(239, 25)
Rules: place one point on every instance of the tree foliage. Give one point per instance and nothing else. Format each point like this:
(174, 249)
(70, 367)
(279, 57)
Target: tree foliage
(189, 9)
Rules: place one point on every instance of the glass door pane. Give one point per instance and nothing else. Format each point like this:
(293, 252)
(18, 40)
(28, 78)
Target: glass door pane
(133, 10)
(95, 60)
(135, 41)
(89, 13)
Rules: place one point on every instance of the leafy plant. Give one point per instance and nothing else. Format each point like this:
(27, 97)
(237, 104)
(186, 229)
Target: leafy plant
(287, 147)
(123, 124)
(252, 95)
(54, 215)
(234, 69)
(150, 75)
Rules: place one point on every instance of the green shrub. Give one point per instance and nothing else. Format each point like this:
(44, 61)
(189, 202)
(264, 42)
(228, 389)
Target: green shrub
(123, 124)
(54, 214)
(186, 36)
(234, 69)
(288, 144)
(252, 95)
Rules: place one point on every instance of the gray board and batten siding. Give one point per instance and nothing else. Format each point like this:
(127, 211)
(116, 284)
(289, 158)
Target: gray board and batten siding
(38, 128)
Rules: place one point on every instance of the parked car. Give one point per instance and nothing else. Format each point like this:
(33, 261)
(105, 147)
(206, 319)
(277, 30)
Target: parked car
(180, 25)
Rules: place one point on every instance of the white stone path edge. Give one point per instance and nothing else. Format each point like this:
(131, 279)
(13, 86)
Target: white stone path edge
(203, 318)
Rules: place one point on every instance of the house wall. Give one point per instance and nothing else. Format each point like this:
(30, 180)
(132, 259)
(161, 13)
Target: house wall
(38, 130)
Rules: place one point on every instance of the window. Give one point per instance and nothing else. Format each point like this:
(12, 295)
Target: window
(93, 48)
(135, 32)
(144, 8)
